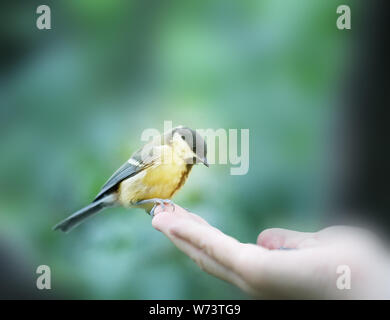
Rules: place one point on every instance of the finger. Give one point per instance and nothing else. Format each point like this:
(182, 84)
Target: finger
(209, 265)
(283, 238)
(178, 212)
(250, 267)
(202, 236)
(254, 269)
(213, 251)
(218, 246)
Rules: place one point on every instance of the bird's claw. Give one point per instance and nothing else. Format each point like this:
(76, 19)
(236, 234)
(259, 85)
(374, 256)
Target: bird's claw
(162, 203)
(157, 201)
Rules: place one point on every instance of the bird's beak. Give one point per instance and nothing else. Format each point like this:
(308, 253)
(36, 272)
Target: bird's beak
(204, 161)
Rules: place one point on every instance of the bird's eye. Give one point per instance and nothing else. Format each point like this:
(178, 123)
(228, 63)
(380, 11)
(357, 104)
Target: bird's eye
(183, 137)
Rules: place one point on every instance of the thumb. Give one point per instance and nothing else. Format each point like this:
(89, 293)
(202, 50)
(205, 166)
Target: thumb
(277, 238)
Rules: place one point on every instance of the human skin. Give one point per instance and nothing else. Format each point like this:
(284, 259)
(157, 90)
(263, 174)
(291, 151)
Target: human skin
(311, 269)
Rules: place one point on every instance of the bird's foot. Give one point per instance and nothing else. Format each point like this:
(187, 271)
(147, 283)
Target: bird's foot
(156, 201)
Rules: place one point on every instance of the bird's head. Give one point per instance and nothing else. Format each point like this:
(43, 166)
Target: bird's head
(189, 144)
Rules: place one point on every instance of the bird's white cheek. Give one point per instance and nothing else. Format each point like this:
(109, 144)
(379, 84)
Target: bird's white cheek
(182, 149)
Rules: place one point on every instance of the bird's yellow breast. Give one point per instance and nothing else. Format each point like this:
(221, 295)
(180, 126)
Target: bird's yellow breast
(161, 180)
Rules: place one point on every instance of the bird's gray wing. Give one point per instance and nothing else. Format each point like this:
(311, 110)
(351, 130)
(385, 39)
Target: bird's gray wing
(127, 170)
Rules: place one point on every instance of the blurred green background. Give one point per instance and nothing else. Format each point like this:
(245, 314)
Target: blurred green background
(75, 100)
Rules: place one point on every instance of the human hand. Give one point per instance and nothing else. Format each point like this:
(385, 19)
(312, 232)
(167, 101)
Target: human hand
(309, 270)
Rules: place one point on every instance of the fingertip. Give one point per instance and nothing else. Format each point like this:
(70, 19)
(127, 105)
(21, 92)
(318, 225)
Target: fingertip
(276, 238)
(167, 219)
(163, 221)
(158, 220)
(270, 238)
(263, 237)
(155, 224)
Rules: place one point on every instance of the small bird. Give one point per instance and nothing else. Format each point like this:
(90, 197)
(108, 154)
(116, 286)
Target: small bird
(151, 176)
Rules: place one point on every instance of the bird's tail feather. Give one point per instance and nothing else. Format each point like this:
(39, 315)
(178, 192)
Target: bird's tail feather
(78, 217)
